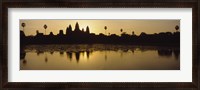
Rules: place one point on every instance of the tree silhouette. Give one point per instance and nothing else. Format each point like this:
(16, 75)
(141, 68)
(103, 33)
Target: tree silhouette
(133, 33)
(45, 27)
(177, 27)
(105, 29)
(37, 32)
(82, 29)
(143, 34)
(23, 25)
(51, 34)
(121, 30)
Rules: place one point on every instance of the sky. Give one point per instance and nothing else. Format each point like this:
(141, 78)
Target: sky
(97, 26)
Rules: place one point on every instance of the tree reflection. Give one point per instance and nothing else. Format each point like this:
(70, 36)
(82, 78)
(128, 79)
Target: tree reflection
(39, 52)
(46, 59)
(51, 52)
(88, 54)
(24, 61)
(69, 55)
(105, 56)
(169, 53)
(133, 50)
(125, 50)
(176, 54)
(22, 55)
(165, 52)
(61, 53)
(80, 52)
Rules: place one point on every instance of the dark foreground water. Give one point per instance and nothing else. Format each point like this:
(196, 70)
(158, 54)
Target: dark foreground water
(99, 57)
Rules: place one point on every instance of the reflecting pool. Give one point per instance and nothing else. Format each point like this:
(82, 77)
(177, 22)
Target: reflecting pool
(99, 57)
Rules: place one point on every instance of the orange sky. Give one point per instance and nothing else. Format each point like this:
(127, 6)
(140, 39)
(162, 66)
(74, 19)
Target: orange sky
(97, 26)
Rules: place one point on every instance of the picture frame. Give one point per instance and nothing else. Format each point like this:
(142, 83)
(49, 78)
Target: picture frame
(102, 4)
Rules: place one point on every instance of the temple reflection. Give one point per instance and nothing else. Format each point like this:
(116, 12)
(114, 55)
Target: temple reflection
(93, 57)
(69, 55)
(88, 54)
(78, 53)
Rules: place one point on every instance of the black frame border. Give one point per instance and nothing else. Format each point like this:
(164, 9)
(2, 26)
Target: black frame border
(194, 4)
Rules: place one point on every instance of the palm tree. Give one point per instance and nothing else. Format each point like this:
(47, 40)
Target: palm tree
(45, 27)
(23, 25)
(105, 29)
(133, 33)
(177, 27)
(121, 30)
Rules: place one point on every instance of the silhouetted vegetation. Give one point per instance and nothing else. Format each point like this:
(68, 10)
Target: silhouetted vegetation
(78, 36)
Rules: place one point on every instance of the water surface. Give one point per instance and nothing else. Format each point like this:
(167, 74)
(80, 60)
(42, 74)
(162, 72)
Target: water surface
(99, 57)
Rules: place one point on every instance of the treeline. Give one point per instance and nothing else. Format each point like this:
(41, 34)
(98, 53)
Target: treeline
(166, 38)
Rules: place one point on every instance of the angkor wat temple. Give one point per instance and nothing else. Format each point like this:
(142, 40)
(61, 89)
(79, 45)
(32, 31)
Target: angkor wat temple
(78, 36)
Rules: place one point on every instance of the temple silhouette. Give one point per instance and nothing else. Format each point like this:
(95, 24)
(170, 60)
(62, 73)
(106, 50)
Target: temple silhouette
(81, 36)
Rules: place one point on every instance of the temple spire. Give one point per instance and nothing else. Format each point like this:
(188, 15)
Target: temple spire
(77, 27)
(87, 30)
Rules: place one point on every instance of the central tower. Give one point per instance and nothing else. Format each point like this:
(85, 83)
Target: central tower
(77, 27)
